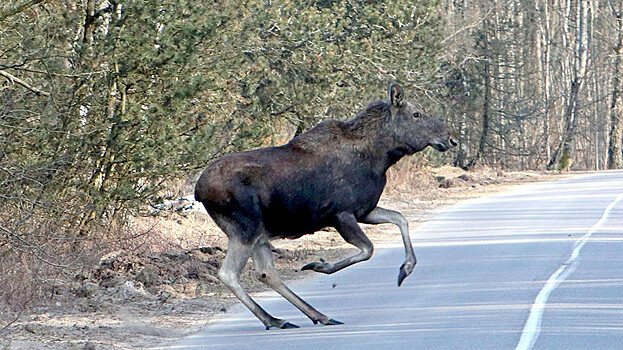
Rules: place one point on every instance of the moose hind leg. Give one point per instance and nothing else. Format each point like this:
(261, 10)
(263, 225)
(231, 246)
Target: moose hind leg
(235, 260)
(267, 274)
(347, 227)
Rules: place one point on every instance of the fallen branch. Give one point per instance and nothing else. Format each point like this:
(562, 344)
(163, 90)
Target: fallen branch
(19, 81)
(19, 8)
(10, 323)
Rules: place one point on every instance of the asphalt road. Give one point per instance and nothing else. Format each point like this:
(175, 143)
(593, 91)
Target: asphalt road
(540, 266)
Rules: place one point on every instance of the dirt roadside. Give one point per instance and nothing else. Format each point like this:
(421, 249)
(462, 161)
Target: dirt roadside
(141, 300)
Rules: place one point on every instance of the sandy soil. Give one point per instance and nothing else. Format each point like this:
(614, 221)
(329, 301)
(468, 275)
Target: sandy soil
(135, 300)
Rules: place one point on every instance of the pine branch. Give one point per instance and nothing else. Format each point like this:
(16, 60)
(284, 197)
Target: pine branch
(19, 81)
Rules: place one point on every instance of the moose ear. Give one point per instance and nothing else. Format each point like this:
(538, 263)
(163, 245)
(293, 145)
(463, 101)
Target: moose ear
(395, 94)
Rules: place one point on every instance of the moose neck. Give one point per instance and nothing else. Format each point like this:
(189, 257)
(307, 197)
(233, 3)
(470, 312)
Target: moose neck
(374, 138)
(394, 155)
(387, 154)
(380, 149)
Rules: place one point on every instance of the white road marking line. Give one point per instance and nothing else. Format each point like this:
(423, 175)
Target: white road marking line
(532, 327)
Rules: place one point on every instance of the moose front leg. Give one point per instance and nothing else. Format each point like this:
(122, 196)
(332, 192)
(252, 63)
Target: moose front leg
(346, 225)
(385, 216)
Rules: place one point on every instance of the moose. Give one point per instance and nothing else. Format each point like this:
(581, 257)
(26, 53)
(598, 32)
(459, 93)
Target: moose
(330, 176)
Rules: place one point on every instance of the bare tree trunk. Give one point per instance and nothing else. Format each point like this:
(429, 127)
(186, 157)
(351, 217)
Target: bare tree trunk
(461, 157)
(89, 22)
(596, 125)
(615, 155)
(544, 52)
(570, 116)
(485, 113)
(486, 98)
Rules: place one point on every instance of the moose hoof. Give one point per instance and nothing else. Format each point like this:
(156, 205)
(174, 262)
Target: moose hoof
(281, 324)
(320, 266)
(405, 270)
(401, 277)
(328, 322)
(310, 266)
(288, 325)
(332, 322)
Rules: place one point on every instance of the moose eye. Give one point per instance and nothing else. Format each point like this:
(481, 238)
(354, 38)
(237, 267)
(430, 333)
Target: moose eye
(416, 115)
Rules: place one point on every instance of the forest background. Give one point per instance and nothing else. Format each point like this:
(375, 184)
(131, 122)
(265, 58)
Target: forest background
(110, 108)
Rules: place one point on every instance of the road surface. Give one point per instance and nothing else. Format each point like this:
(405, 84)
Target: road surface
(538, 267)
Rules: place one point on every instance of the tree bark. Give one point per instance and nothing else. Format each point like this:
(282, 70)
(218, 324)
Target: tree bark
(544, 53)
(461, 159)
(570, 116)
(485, 112)
(89, 22)
(486, 98)
(615, 155)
